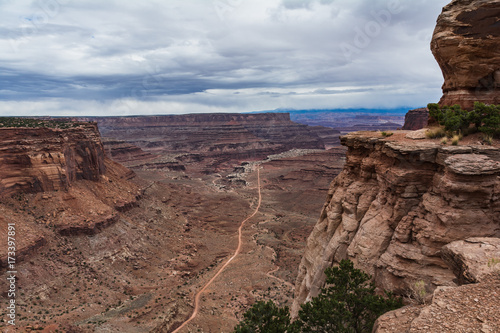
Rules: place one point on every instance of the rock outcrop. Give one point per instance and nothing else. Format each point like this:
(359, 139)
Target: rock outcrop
(466, 45)
(416, 119)
(59, 180)
(396, 204)
(472, 259)
(468, 308)
(45, 159)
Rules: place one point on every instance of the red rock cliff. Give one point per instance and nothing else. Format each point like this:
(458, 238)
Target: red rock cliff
(416, 119)
(466, 45)
(395, 205)
(45, 159)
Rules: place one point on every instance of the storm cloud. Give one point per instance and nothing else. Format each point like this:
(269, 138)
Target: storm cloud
(71, 57)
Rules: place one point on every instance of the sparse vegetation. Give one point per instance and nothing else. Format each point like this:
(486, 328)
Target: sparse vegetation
(484, 118)
(417, 292)
(436, 132)
(493, 262)
(386, 134)
(37, 123)
(348, 303)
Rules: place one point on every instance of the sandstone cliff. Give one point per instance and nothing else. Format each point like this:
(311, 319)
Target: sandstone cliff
(45, 159)
(396, 204)
(416, 119)
(54, 179)
(472, 307)
(466, 44)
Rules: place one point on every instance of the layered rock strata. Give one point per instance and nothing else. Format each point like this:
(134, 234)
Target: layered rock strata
(396, 204)
(471, 307)
(416, 119)
(466, 45)
(213, 138)
(58, 180)
(45, 159)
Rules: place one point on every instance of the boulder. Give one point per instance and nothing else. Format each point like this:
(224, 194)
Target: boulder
(473, 259)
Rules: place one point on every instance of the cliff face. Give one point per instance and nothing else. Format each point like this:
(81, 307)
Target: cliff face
(214, 138)
(396, 204)
(473, 306)
(466, 44)
(58, 180)
(416, 119)
(44, 159)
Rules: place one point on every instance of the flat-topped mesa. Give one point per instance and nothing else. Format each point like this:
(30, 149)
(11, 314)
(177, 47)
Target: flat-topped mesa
(47, 159)
(217, 139)
(466, 45)
(209, 132)
(396, 203)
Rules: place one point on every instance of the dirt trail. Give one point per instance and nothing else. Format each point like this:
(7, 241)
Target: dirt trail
(238, 249)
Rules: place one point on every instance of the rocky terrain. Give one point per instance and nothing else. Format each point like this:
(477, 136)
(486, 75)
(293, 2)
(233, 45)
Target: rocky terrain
(102, 248)
(466, 308)
(416, 119)
(208, 142)
(396, 204)
(465, 45)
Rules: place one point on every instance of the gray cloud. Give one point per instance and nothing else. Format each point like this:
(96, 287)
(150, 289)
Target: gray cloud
(174, 56)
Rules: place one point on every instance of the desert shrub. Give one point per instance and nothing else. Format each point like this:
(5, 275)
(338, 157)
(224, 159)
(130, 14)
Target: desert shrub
(484, 118)
(347, 304)
(436, 132)
(417, 292)
(386, 134)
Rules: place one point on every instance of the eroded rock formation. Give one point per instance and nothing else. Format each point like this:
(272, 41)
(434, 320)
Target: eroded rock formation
(466, 44)
(58, 179)
(45, 159)
(470, 307)
(214, 139)
(396, 204)
(416, 119)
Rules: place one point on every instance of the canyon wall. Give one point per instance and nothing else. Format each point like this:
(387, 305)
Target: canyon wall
(396, 203)
(213, 139)
(416, 119)
(466, 45)
(46, 159)
(58, 180)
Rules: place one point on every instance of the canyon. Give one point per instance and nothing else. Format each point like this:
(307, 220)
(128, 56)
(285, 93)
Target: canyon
(207, 142)
(102, 247)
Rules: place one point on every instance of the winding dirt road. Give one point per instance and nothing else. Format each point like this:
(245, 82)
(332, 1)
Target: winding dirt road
(238, 249)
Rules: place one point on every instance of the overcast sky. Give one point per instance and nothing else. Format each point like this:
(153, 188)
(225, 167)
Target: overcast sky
(110, 57)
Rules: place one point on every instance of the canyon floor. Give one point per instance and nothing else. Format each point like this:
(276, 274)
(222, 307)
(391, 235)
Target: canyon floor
(140, 273)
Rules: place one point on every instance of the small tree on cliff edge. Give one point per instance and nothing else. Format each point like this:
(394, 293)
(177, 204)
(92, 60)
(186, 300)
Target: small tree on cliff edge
(347, 304)
(265, 317)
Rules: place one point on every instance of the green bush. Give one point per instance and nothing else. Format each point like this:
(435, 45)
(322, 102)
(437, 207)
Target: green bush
(265, 318)
(485, 118)
(347, 304)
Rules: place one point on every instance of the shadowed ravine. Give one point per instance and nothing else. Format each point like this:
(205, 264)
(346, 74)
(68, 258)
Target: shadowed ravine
(236, 252)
